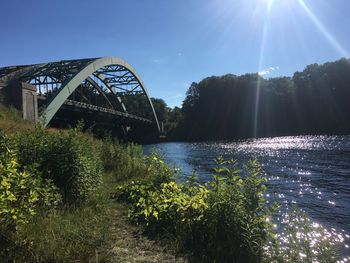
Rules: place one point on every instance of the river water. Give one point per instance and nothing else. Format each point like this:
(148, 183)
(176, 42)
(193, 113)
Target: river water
(312, 172)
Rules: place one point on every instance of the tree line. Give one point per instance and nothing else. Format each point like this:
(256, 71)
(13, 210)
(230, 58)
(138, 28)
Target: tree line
(314, 101)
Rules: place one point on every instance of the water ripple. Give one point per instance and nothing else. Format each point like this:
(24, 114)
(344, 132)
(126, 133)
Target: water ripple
(312, 172)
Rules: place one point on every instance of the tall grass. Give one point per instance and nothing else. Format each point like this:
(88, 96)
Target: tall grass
(11, 120)
(65, 235)
(124, 161)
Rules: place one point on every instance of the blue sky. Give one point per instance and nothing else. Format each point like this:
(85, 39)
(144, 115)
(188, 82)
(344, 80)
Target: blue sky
(173, 43)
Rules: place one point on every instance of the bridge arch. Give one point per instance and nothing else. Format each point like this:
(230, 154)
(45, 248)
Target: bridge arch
(84, 74)
(115, 74)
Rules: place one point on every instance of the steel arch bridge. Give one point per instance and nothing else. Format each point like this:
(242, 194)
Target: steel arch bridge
(105, 85)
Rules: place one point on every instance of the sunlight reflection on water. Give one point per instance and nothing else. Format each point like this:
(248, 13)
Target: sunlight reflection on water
(312, 172)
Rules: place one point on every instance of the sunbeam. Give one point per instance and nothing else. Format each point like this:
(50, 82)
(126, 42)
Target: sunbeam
(269, 6)
(323, 30)
(261, 59)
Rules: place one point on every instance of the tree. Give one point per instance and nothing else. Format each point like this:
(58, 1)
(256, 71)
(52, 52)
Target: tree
(314, 101)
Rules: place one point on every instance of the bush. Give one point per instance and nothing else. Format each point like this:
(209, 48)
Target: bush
(70, 159)
(225, 220)
(236, 220)
(38, 170)
(21, 192)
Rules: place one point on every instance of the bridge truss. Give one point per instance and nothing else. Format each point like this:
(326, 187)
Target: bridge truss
(106, 85)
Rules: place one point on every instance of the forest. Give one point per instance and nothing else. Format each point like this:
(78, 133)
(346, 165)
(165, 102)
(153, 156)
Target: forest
(314, 101)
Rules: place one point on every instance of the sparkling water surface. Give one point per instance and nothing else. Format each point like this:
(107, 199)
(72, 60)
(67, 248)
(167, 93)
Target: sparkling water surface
(312, 172)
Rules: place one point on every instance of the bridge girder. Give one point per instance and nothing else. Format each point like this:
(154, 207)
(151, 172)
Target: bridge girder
(108, 75)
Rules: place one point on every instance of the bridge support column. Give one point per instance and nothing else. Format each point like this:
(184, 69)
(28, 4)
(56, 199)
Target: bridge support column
(23, 97)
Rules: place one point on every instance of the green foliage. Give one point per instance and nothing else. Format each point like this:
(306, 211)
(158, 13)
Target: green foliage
(225, 220)
(158, 171)
(222, 220)
(31, 230)
(70, 159)
(169, 205)
(21, 192)
(18, 195)
(125, 161)
(11, 120)
(39, 169)
(10, 113)
(75, 234)
(238, 225)
(314, 101)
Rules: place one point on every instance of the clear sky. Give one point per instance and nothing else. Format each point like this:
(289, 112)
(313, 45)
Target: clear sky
(173, 43)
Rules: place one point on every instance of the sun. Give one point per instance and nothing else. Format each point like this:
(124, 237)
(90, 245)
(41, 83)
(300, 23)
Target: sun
(278, 3)
(268, 3)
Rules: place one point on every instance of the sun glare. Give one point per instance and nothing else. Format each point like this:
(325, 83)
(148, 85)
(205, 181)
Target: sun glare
(269, 6)
(323, 30)
(280, 5)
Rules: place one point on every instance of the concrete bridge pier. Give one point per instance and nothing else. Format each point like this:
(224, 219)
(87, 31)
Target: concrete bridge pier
(22, 96)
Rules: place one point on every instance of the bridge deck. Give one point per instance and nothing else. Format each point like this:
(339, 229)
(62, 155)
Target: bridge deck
(101, 109)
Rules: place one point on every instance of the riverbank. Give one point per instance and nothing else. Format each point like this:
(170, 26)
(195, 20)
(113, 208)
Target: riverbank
(130, 244)
(60, 201)
(310, 171)
(56, 200)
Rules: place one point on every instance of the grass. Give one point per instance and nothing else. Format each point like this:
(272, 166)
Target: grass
(99, 231)
(11, 120)
(130, 244)
(71, 233)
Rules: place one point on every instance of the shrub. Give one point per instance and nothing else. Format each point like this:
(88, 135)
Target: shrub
(21, 192)
(70, 159)
(225, 220)
(37, 167)
(18, 192)
(236, 219)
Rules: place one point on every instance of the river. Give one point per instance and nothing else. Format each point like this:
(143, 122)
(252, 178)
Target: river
(312, 172)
